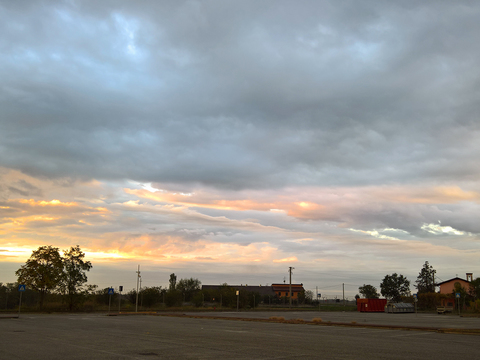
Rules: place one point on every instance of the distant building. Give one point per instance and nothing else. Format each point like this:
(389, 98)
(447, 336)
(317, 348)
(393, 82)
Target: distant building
(261, 290)
(448, 287)
(279, 290)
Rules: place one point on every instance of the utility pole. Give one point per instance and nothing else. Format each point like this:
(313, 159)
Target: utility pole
(141, 297)
(290, 287)
(343, 284)
(138, 279)
(120, 289)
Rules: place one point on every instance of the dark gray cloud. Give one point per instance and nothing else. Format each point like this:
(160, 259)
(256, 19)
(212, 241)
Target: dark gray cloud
(241, 95)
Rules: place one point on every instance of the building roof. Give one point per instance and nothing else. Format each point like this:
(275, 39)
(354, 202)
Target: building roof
(454, 279)
(286, 287)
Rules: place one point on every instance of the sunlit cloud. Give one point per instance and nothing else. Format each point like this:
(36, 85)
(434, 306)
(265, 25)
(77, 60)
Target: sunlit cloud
(291, 259)
(438, 229)
(375, 233)
(47, 203)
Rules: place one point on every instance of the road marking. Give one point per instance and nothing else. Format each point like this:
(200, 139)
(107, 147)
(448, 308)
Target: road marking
(416, 334)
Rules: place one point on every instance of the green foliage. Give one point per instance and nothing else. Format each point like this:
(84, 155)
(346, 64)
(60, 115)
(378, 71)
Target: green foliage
(475, 305)
(9, 295)
(197, 299)
(429, 301)
(188, 287)
(172, 282)
(150, 296)
(47, 271)
(74, 275)
(304, 297)
(225, 296)
(474, 288)
(425, 279)
(394, 286)
(42, 272)
(458, 288)
(103, 298)
(131, 296)
(368, 291)
(173, 298)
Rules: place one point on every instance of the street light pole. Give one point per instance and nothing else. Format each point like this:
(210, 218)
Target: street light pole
(290, 287)
(138, 279)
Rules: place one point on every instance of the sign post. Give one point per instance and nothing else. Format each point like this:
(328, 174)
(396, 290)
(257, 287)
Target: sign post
(120, 288)
(110, 293)
(238, 293)
(21, 289)
(416, 300)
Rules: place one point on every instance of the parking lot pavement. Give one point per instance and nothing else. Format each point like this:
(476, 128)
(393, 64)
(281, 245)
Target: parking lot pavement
(407, 320)
(83, 336)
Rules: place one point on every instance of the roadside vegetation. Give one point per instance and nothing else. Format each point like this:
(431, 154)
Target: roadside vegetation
(57, 282)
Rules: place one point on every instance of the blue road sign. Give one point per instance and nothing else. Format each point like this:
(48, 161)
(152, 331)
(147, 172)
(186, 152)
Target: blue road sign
(21, 287)
(457, 295)
(111, 291)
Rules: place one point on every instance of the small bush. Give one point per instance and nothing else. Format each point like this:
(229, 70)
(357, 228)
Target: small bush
(317, 320)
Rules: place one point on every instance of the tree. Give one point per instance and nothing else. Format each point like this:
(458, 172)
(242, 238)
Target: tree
(42, 272)
(394, 286)
(74, 277)
(172, 282)
(425, 282)
(474, 288)
(102, 296)
(188, 287)
(150, 296)
(459, 289)
(368, 291)
(173, 298)
(131, 296)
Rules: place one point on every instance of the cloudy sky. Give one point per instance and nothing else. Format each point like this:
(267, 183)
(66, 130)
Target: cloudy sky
(229, 140)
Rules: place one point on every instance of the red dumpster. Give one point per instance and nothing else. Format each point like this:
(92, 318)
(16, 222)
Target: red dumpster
(371, 305)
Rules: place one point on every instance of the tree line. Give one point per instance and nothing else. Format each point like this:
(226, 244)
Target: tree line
(61, 278)
(396, 288)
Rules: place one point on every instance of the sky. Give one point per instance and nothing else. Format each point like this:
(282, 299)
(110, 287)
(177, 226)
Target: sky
(228, 141)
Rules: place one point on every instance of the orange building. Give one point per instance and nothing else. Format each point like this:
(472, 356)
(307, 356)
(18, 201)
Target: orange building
(281, 290)
(448, 287)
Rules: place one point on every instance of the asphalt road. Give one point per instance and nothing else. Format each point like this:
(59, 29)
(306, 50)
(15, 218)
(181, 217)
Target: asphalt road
(158, 337)
(409, 319)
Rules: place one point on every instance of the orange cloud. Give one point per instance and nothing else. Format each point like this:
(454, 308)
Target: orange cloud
(47, 203)
(201, 200)
(420, 195)
(286, 260)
